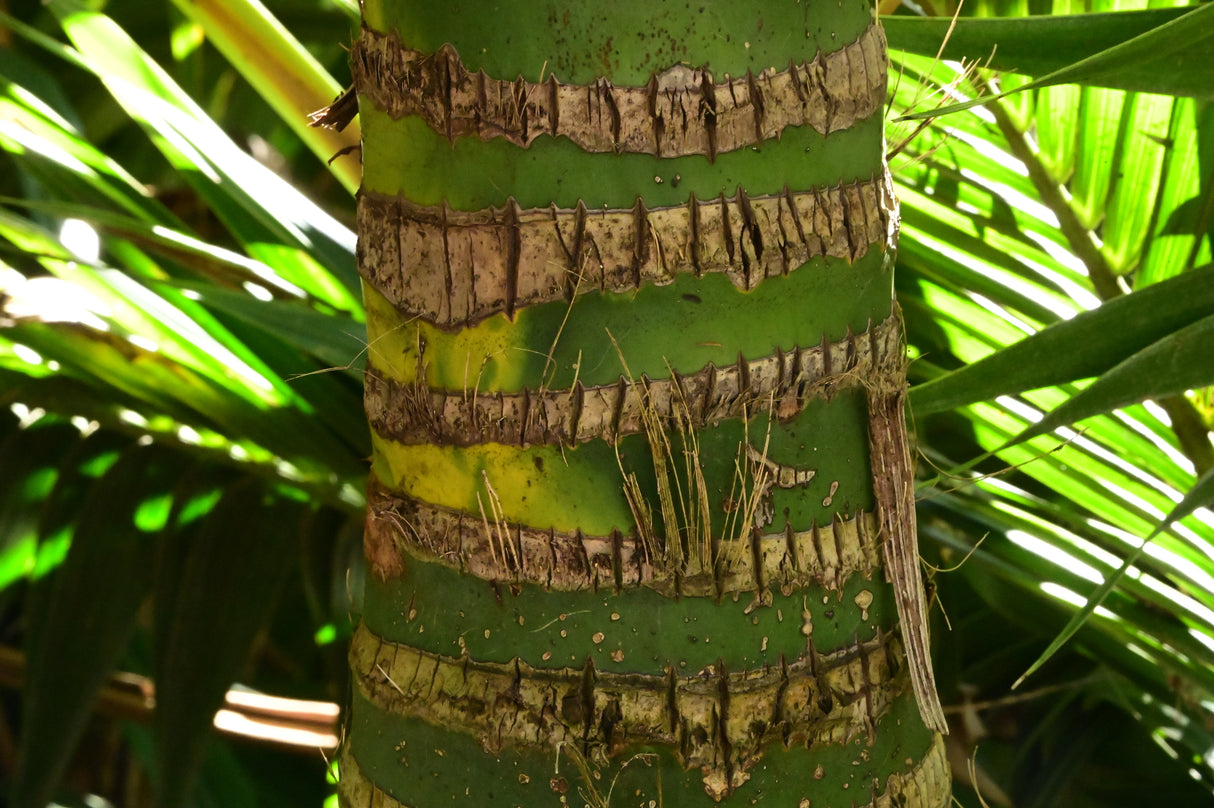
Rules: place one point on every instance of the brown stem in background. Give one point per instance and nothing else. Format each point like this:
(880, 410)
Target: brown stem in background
(8, 750)
(290, 724)
(1191, 431)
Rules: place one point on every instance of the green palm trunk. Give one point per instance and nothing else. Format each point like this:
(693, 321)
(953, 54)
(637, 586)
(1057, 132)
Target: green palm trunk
(634, 368)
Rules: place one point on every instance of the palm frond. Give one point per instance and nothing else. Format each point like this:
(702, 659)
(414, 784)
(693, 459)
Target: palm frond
(1034, 229)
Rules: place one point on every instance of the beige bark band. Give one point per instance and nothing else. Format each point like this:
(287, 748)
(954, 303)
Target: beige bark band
(715, 720)
(455, 268)
(680, 111)
(825, 555)
(782, 384)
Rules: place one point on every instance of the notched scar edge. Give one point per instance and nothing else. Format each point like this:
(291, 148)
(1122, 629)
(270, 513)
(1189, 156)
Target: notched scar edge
(456, 268)
(401, 529)
(516, 705)
(681, 111)
(785, 382)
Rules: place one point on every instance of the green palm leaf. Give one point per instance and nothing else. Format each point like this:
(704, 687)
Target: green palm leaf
(152, 333)
(1022, 219)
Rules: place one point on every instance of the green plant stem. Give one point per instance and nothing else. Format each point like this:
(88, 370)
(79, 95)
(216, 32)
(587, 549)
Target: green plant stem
(1104, 280)
(282, 71)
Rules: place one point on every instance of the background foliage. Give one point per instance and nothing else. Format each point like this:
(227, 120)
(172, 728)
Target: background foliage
(182, 446)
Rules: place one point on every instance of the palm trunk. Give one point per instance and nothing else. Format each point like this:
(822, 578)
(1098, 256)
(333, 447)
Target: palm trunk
(635, 365)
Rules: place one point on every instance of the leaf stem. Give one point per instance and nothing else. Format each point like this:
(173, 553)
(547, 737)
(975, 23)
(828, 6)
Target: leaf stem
(1104, 280)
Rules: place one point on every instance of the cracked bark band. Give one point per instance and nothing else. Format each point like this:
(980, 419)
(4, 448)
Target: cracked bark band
(714, 720)
(680, 111)
(455, 268)
(824, 555)
(784, 382)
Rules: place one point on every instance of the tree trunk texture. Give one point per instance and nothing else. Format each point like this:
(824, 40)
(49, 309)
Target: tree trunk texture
(641, 520)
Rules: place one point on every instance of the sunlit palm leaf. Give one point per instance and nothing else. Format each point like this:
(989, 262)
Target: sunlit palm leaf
(997, 251)
(153, 331)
